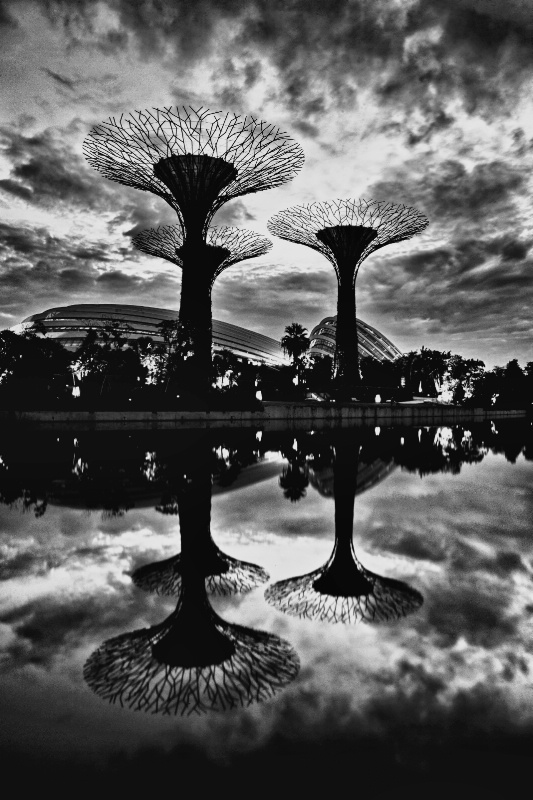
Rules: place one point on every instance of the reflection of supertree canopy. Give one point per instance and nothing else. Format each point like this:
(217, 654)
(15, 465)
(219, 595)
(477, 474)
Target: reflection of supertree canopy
(193, 662)
(226, 246)
(346, 232)
(196, 160)
(347, 595)
(223, 574)
(343, 590)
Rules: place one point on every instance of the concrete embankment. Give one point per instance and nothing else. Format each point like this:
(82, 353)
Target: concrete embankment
(272, 414)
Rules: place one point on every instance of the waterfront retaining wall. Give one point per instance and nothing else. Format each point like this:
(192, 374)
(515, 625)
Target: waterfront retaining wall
(306, 413)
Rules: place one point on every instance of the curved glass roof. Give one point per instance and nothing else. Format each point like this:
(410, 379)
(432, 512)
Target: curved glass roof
(371, 341)
(70, 324)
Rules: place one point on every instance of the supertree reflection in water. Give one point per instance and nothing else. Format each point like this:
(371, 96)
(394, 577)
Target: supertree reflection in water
(194, 661)
(224, 575)
(343, 590)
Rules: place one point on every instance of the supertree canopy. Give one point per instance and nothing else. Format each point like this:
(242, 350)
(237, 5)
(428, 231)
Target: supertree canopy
(346, 232)
(195, 159)
(227, 246)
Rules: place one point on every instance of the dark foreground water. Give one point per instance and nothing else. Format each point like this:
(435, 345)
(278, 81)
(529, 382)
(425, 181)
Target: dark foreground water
(297, 612)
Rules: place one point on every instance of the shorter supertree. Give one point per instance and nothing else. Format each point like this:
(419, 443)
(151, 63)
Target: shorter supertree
(343, 590)
(224, 247)
(346, 232)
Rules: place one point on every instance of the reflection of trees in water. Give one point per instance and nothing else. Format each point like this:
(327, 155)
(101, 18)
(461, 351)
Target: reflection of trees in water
(194, 661)
(343, 590)
(114, 471)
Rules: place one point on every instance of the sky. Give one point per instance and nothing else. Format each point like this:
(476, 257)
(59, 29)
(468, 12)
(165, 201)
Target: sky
(426, 103)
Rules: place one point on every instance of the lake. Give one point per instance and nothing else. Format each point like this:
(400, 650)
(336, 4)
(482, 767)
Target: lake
(285, 610)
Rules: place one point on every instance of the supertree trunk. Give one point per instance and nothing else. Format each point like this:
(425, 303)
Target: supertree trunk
(346, 363)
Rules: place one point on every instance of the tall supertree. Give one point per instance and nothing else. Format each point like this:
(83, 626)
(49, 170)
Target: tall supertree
(225, 246)
(342, 590)
(346, 232)
(196, 160)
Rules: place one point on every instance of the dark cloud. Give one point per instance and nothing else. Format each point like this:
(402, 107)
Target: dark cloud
(36, 267)
(60, 79)
(261, 299)
(45, 171)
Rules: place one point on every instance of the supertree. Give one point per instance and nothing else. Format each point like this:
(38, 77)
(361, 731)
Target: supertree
(342, 590)
(196, 160)
(346, 232)
(225, 246)
(194, 661)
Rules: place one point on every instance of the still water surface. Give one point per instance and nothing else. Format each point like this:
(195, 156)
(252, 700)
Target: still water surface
(352, 603)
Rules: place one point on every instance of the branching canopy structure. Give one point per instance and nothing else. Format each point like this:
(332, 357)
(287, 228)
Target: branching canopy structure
(346, 232)
(227, 246)
(224, 575)
(195, 159)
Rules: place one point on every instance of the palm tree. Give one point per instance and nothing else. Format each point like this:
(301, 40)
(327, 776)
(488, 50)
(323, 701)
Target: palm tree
(295, 343)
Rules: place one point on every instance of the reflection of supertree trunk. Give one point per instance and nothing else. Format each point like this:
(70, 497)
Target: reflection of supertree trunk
(194, 661)
(223, 574)
(347, 232)
(343, 590)
(196, 161)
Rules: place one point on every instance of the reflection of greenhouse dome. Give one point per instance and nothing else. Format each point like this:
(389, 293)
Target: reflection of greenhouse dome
(70, 324)
(371, 341)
